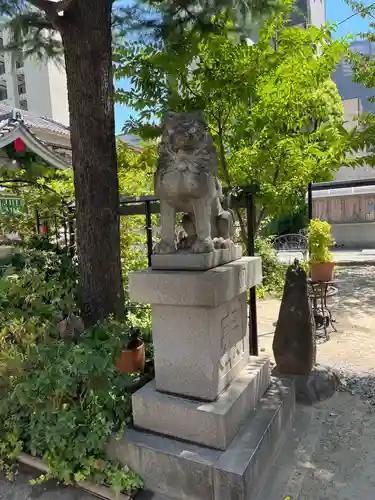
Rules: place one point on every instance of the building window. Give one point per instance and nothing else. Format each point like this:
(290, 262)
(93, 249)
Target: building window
(22, 88)
(3, 93)
(1, 42)
(23, 105)
(21, 84)
(18, 60)
(2, 67)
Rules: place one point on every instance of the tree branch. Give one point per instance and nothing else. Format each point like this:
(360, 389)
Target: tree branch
(51, 8)
(46, 5)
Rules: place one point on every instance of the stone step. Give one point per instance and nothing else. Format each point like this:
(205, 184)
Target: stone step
(186, 471)
(213, 424)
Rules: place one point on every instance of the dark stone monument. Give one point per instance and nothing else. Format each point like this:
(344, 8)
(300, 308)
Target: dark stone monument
(294, 345)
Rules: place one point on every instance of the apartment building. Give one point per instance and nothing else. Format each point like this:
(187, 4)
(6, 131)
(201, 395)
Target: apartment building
(32, 85)
(343, 77)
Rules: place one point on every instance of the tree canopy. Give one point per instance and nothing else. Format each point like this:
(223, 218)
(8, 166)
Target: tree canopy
(35, 24)
(87, 30)
(271, 106)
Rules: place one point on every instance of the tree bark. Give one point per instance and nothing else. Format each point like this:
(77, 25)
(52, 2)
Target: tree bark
(86, 33)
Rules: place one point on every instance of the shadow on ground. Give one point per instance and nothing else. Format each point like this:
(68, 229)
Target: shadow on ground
(330, 453)
(342, 464)
(355, 291)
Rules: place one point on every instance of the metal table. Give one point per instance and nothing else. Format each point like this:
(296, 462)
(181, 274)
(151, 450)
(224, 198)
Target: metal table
(318, 292)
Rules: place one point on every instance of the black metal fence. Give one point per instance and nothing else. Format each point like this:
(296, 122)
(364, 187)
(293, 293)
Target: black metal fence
(239, 198)
(58, 229)
(61, 232)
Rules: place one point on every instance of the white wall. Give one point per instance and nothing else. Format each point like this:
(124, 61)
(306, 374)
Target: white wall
(317, 12)
(58, 93)
(38, 88)
(354, 234)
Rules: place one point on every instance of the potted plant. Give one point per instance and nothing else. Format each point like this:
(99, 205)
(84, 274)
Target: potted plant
(320, 243)
(133, 358)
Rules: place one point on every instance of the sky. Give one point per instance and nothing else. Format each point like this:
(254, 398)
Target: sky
(336, 12)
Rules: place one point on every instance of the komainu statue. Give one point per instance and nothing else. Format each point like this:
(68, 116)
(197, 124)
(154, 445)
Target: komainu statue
(186, 181)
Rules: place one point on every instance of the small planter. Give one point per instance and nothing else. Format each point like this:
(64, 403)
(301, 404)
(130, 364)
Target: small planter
(133, 359)
(322, 271)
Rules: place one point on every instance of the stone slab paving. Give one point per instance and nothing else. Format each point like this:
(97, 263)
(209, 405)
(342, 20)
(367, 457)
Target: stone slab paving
(364, 256)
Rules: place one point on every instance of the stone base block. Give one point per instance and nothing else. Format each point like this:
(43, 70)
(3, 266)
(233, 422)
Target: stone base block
(186, 471)
(198, 351)
(211, 424)
(199, 325)
(184, 260)
(193, 288)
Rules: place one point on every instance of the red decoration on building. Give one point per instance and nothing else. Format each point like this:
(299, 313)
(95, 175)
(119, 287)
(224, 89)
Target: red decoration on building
(19, 145)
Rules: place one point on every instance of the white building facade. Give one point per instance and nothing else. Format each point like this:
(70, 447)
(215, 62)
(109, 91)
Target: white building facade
(309, 12)
(32, 85)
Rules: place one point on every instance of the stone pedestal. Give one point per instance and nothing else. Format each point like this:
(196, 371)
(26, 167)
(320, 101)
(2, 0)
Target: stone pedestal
(208, 425)
(213, 423)
(199, 324)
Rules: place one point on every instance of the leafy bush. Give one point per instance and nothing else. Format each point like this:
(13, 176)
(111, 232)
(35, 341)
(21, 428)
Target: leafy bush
(59, 400)
(135, 173)
(320, 241)
(38, 286)
(273, 270)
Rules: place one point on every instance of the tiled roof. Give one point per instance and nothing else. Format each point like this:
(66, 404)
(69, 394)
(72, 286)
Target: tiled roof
(14, 124)
(34, 121)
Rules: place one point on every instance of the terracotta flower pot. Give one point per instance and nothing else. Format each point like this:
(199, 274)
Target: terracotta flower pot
(133, 359)
(322, 271)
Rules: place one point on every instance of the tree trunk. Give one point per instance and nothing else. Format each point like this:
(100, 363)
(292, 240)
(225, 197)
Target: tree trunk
(86, 35)
(225, 172)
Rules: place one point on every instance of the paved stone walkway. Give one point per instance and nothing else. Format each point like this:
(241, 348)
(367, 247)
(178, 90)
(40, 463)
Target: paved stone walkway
(332, 455)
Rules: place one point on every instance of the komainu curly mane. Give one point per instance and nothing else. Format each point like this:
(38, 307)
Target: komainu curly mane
(186, 180)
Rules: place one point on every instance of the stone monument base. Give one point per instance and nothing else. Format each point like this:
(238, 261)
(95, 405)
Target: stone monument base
(213, 424)
(183, 470)
(187, 261)
(319, 384)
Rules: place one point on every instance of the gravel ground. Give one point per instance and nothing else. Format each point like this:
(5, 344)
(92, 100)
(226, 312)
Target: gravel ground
(360, 384)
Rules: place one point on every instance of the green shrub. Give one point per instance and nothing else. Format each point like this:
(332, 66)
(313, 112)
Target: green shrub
(273, 270)
(320, 241)
(59, 400)
(38, 286)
